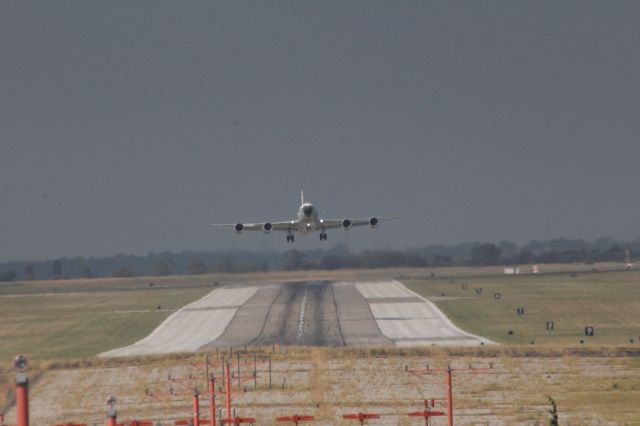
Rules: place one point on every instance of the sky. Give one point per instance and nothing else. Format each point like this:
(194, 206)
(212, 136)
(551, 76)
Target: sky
(128, 127)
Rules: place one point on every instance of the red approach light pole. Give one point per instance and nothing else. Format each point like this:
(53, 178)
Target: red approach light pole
(111, 411)
(196, 408)
(361, 417)
(448, 382)
(22, 399)
(427, 413)
(449, 397)
(212, 402)
(111, 418)
(227, 390)
(295, 419)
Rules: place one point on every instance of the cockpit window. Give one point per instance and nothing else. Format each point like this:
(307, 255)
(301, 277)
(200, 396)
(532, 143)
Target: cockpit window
(307, 210)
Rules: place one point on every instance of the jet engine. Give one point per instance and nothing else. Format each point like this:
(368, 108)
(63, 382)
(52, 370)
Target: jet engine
(373, 222)
(239, 227)
(267, 227)
(346, 224)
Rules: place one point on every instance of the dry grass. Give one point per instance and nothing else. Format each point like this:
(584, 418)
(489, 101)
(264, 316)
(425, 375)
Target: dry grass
(590, 385)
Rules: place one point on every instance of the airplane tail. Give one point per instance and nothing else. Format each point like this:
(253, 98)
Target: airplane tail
(301, 197)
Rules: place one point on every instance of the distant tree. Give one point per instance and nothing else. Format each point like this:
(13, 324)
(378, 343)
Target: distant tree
(8, 276)
(525, 256)
(508, 249)
(563, 244)
(605, 243)
(124, 272)
(197, 267)
(294, 260)
(87, 273)
(332, 262)
(263, 265)
(536, 247)
(250, 266)
(56, 267)
(29, 272)
(485, 254)
(224, 264)
(164, 267)
(441, 260)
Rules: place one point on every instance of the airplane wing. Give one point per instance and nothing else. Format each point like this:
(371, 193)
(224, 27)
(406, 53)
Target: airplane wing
(370, 221)
(275, 226)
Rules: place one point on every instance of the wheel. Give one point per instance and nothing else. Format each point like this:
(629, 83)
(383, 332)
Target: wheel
(292, 238)
(288, 238)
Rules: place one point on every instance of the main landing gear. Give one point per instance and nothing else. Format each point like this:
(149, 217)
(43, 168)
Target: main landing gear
(323, 236)
(290, 238)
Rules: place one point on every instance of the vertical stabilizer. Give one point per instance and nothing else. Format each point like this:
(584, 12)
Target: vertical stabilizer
(301, 197)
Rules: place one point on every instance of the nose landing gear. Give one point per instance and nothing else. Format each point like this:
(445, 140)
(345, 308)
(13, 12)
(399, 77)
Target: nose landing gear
(323, 236)
(290, 238)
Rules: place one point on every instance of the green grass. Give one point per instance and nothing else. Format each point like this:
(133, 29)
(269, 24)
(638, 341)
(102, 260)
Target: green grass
(78, 325)
(607, 301)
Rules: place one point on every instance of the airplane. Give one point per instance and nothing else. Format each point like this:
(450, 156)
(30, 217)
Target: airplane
(307, 222)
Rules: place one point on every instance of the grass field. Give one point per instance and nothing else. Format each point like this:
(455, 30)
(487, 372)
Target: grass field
(49, 326)
(608, 301)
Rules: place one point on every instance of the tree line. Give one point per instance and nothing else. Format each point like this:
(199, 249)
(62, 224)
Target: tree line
(558, 250)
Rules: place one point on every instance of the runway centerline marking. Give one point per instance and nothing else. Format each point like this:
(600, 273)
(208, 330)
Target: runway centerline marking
(301, 320)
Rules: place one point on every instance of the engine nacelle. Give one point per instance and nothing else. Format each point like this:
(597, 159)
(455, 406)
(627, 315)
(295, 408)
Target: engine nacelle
(267, 227)
(239, 227)
(346, 224)
(373, 222)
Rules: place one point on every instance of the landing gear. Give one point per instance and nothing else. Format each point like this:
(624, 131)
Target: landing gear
(323, 236)
(290, 238)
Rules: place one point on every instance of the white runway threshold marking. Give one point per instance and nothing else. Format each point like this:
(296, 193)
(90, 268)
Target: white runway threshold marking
(192, 326)
(414, 323)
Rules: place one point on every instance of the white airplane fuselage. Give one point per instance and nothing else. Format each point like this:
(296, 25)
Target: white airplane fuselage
(308, 221)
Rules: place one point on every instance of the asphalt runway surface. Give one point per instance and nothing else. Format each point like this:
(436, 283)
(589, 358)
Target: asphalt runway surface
(316, 313)
(309, 313)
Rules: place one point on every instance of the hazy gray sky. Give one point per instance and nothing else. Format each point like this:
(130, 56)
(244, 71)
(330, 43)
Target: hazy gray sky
(129, 126)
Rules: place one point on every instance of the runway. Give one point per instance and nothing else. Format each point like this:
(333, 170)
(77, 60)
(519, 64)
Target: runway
(315, 313)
